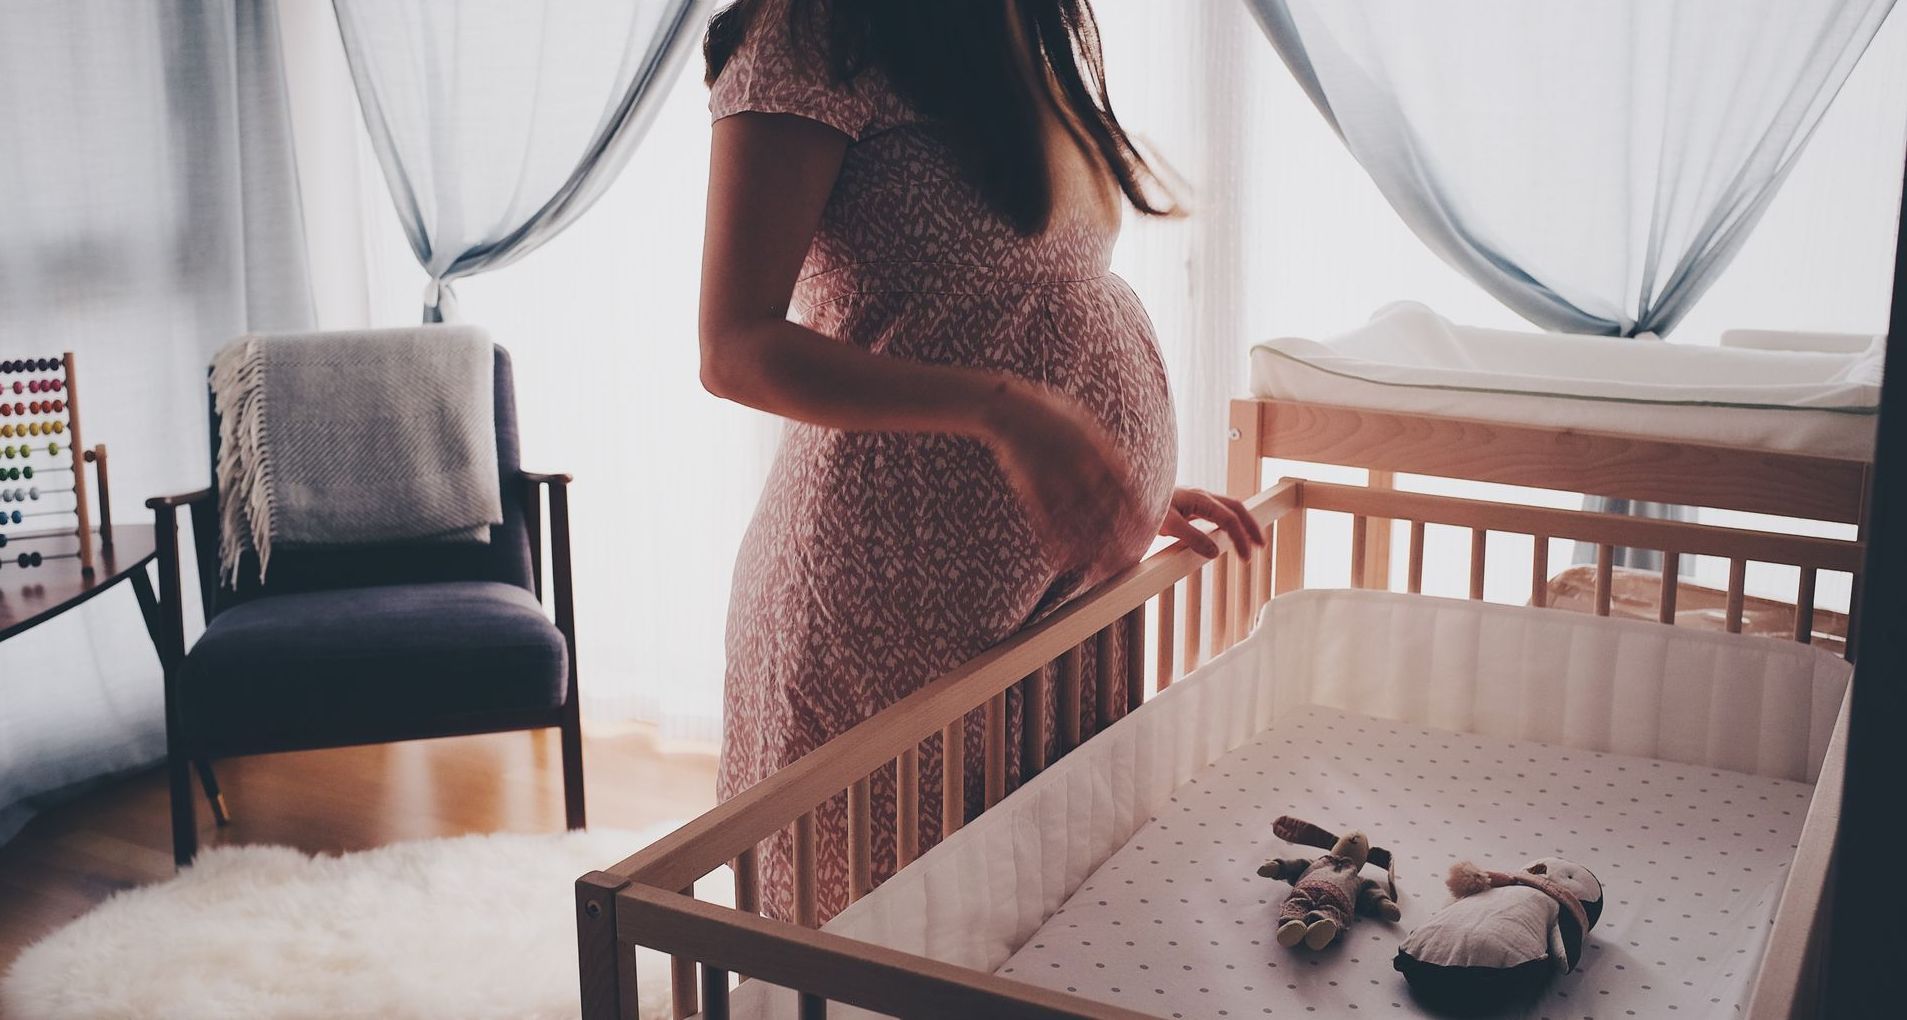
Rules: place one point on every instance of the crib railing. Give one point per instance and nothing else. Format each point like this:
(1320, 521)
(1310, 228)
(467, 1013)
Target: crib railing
(1607, 532)
(648, 899)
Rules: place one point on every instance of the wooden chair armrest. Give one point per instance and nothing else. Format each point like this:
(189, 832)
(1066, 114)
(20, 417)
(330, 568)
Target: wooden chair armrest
(542, 478)
(182, 499)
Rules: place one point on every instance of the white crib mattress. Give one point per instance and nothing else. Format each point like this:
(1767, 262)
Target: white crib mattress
(1409, 359)
(1668, 715)
(1176, 923)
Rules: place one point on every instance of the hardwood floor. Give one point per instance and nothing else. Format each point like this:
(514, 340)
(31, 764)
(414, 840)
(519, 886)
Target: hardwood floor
(73, 856)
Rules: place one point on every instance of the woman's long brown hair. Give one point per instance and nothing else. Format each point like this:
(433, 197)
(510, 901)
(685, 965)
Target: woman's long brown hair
(957, 63)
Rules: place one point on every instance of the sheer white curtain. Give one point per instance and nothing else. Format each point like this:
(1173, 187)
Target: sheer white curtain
(1285, 235)
(1593, 166)
(148, 213)
(499, 122)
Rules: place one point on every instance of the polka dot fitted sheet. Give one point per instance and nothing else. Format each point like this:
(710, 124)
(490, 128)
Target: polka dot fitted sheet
(1177, 923)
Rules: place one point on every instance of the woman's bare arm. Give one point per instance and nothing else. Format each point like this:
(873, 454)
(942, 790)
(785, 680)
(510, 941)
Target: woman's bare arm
(769, 178)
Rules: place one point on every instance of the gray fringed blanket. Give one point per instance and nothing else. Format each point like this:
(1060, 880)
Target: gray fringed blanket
(338, 439)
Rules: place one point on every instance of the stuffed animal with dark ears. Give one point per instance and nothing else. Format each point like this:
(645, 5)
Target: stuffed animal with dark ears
(1503, 939)
(1328, 892)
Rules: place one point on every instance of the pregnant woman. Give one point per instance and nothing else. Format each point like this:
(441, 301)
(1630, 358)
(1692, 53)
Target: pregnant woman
(979, 423)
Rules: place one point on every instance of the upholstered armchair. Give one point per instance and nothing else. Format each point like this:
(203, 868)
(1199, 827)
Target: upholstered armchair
(367, 645)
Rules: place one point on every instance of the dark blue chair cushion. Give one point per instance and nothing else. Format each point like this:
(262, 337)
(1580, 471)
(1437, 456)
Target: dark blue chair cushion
(366, 664)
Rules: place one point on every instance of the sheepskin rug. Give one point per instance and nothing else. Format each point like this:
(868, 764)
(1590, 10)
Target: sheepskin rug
(477, 926)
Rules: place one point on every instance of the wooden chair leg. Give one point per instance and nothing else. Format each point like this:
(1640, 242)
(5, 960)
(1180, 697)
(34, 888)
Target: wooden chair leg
(221, 815)
(573, 809)
(185, 818)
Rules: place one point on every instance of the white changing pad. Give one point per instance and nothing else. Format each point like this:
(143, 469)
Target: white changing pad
(1176, 923)
(1409, 359)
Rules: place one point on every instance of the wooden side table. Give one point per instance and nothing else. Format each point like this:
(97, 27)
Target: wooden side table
(30, 596)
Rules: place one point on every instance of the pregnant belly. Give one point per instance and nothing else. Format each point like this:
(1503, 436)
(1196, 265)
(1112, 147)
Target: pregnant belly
(1090, 339)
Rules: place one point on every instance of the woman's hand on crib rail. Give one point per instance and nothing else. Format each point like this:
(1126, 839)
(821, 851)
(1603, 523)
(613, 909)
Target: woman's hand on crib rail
(1189, 505)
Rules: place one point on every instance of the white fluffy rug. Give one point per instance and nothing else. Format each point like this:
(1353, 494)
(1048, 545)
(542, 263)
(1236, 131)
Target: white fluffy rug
(479, 926)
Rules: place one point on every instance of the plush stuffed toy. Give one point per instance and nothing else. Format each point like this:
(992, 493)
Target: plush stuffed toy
(1328, 892)
(1505, 937)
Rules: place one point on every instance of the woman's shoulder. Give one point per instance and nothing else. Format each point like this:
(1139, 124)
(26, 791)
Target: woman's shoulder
(781, 64)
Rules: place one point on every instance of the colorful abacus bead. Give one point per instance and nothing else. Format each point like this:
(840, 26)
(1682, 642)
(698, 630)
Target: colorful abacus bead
(16, 517)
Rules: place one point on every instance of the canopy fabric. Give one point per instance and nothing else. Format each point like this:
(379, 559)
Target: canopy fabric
(1592, 166)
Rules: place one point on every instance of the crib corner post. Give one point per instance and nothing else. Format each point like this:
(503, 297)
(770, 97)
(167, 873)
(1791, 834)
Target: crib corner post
(1243, 465)
(607, 991)
(1288, 549)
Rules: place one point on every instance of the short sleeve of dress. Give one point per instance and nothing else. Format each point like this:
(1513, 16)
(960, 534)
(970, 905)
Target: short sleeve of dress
(777, 69)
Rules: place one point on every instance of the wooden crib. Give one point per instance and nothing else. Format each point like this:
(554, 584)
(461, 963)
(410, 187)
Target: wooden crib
(647, 900)
(1806, 486)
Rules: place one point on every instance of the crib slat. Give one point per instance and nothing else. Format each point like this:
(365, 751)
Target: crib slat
(1360, 548)
(1194, 622)
(1671, 586)
(748, 881)
(1033, 725)
(1737, 593)
(1539, 571)
(1135, 658)
(995, 765)
(860, 836)
(953, 777)
(714, 993)
(1605, 576)
(682, 981)
(906, 808)
(1167, 630)
(1221, 603)
(813, 1007)
(1242, 599)
(1479, 547)
(805, 914)
(1414, 574)
(1261, 577)
(1288, 572)
(1804, 607)
(1106, 678)
(1069, 681)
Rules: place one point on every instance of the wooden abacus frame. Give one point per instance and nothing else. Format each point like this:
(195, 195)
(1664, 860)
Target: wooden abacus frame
(648, 899)
(78, 453)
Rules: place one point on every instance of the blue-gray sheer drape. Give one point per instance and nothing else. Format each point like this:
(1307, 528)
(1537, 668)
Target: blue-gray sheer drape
(1594, 166)
(149, 212)
(498, 122)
